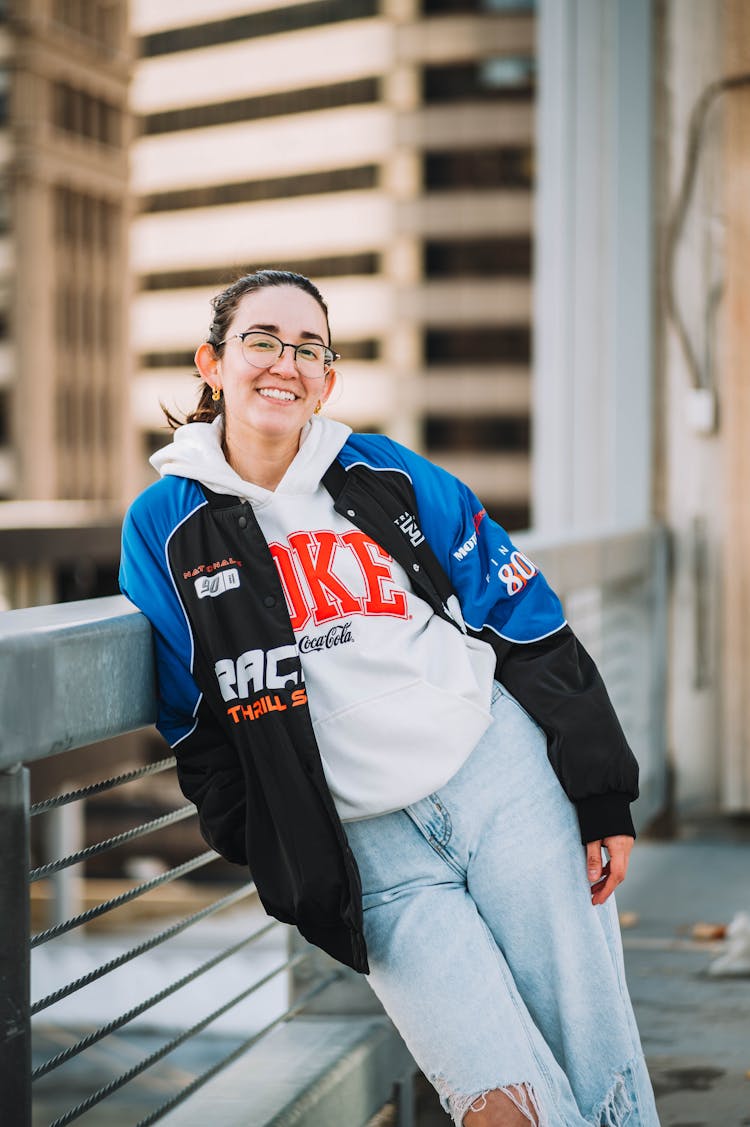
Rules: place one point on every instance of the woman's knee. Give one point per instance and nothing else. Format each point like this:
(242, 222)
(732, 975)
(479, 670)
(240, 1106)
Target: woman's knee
(512, 1106)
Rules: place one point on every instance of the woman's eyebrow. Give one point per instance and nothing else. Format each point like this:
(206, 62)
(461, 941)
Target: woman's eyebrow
(275, 330)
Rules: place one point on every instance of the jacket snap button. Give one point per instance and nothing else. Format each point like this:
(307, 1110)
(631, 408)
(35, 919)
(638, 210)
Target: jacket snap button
(415, 567)
(242, 522)
(350, 513)
(269, 601)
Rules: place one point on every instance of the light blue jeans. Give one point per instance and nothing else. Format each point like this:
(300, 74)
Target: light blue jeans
(485, 949)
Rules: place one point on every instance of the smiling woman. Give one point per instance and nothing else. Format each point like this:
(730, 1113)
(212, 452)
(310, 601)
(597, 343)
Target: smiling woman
(375, 702)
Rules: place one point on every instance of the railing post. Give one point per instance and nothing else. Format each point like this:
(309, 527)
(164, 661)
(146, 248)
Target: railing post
(15, 1020)
(64, 834)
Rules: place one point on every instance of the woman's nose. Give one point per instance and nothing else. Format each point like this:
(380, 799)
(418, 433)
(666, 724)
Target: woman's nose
(285, 364)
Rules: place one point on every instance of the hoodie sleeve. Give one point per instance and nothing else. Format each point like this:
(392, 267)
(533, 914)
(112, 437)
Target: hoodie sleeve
(208, 768)
(507, 602)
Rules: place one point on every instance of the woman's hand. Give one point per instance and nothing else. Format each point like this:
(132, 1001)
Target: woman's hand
(604, 879)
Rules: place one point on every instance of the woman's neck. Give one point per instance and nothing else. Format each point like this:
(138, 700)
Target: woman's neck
(262, 461)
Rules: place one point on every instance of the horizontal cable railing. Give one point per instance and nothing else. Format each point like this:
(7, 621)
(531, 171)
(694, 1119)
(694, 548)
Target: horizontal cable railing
(98, 788)
(94, 661)
(124, 898)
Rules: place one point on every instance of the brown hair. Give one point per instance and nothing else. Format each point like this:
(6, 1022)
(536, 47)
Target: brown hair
(225, 306)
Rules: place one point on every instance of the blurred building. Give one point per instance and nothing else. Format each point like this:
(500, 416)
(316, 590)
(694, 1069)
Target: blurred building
(64, 137)
(383, 147)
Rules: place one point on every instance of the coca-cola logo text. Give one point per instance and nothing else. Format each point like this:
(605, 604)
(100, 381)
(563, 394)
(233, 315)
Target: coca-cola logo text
(337, 635)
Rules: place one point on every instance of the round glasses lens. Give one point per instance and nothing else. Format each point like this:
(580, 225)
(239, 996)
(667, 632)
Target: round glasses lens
(311, 358)
(261, 349)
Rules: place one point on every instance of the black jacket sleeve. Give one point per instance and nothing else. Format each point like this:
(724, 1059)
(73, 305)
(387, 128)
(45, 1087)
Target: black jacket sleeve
(557, 683)
(211, 776)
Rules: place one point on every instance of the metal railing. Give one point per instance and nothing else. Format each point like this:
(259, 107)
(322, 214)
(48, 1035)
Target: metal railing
(71, 674)
(77, 673)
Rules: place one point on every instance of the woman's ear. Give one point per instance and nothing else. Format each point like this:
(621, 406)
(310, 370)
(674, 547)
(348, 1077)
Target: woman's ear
(329, 384)
(208, 364)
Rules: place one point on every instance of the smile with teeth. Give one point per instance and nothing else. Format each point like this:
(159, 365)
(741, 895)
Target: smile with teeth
(277, 393)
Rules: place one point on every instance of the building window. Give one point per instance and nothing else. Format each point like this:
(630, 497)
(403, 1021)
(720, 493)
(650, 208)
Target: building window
(84, 219)
(495, 79)
(84, 115)
(252, 191)
(256, 24)
(512, 517)
(478, 258)
(173, 359)
(217, 277)
(5, 427)
(358, 349)
(477, 433)
(479, 345)
(355, 93)
(101, 21)
(456, 7)
(507, 167)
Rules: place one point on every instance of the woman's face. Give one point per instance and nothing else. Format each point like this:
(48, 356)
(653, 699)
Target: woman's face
(277, 401)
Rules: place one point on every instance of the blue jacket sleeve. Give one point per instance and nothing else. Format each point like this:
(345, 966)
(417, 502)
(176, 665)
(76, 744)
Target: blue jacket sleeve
(208, 768)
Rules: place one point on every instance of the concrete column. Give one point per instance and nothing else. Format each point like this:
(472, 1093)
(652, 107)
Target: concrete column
(592, 371)
(736, 424)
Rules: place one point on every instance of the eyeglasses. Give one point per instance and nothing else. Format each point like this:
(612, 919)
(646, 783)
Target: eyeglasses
(264, 349)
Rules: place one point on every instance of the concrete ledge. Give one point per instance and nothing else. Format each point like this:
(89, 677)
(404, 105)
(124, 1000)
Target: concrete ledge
(311, 1072)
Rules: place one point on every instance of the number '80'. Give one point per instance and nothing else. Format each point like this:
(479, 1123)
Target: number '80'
(516, 573)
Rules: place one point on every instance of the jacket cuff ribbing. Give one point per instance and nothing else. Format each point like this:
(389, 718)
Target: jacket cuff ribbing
(604, 815)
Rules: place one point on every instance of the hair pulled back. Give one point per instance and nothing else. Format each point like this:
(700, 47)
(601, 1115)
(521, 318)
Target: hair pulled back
(225, 305)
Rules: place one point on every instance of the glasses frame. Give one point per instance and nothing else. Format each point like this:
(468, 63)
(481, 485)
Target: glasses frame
(327, 350)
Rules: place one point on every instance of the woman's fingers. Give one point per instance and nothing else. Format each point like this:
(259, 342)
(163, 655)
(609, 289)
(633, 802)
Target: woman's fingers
(594, 861)
(605, 878)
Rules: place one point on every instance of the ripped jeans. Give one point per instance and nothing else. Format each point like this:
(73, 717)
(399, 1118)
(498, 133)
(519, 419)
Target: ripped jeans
(485, 949)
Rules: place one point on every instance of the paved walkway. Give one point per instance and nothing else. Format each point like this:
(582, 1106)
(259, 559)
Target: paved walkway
(695, 1028)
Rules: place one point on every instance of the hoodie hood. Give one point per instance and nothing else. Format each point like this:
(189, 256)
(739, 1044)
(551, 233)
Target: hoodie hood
(195, 452)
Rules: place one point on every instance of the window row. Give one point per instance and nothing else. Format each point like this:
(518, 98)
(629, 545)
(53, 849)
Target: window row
(359, 91)
(84, 220)
(479, 7)
(333, 266)
(85, 318)
(479, 344)
(508, 167)
(85, 115)
(478, 258)
(83, 416)
(477, 433)
(365, 349)
(256, 24)
(5, 423)
(501, 78)
(252, 191)
(102, 21)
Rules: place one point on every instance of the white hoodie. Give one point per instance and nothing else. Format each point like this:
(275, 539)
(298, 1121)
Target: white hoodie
(398, 696)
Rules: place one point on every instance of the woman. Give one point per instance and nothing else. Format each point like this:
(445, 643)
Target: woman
(350, 653)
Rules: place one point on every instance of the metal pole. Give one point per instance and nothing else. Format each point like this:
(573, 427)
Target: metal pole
(15, 1020)
(64, 835)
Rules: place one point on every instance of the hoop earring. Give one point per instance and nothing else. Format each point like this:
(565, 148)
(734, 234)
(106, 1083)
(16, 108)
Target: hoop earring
(318, 408)
(216, 394)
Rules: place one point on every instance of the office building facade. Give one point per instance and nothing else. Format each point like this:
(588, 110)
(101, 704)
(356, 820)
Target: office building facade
(384, 147)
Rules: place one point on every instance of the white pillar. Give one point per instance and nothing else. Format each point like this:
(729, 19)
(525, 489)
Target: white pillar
(593, 291)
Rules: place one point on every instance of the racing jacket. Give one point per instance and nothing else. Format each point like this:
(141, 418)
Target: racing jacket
(197, 564)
